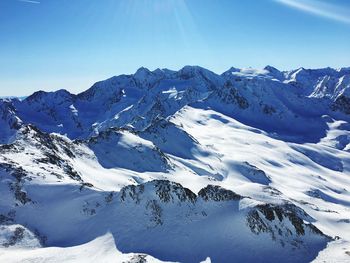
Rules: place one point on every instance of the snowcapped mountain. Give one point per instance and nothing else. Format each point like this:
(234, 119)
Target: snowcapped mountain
(183, 166)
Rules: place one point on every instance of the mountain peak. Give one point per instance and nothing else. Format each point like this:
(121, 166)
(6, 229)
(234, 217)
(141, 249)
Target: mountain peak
(230, 71)
(143, 74)
(47, 95)
(274, 72)
(271, 68)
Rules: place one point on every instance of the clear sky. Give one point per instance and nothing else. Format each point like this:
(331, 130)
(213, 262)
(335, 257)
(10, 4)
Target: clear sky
(70, 44)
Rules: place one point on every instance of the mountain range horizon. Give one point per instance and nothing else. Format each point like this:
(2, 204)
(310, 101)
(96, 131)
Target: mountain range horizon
(231, 68)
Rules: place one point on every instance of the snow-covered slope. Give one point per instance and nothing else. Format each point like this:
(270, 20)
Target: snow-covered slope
(101, 249)
(251, 165)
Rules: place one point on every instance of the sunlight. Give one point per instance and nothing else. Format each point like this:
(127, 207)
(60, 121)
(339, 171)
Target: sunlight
(160, 17)
(319, 8)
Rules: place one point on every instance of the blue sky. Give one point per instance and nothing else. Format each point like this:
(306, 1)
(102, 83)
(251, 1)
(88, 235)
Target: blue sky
(70, 44)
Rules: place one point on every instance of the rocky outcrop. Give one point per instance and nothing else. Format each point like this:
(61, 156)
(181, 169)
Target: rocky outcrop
(342, 104)
(35, 154)
(164, 191)
(217, 194)
(283, 222)
(257, 219)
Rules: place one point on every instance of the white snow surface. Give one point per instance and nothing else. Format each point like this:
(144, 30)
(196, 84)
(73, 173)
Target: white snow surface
(101, 249)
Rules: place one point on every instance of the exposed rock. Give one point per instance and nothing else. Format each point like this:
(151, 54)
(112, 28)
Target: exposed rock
(170, 191)
(132, 192)
(165, 191)
(258, 220)
(230, 94)
(17, 236)
(342, 103)
(217, 194)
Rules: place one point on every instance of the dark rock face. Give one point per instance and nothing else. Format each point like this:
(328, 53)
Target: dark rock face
(155, 197)
(6, 219)
(54, 151)
(60, 96)
(8, 114)
(165, 191)
(342, 103)
(267, 109)
(39, 137)
(132, 192)
(140, 258)
(9, 121)
(229, 94)
(17, 236)
(16, 186)
(217, 194)
(268, 219)
(155, 212)
(51, 146)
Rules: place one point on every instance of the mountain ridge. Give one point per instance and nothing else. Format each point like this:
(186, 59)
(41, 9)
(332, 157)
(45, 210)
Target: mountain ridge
(258, 92)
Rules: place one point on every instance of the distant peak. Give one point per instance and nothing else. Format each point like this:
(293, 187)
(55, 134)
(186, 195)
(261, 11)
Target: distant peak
(274, 72)
(142, 71)
(271, 69)
(189, 68)
(230, 71)
(143, 74)
(233, 69)
(157, 71)
(58, 95)
(301, 69)
(191, 71)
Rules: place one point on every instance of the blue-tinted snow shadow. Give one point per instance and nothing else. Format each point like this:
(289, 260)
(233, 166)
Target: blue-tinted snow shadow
(298, 130)
(325, 197)
(320, 157)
